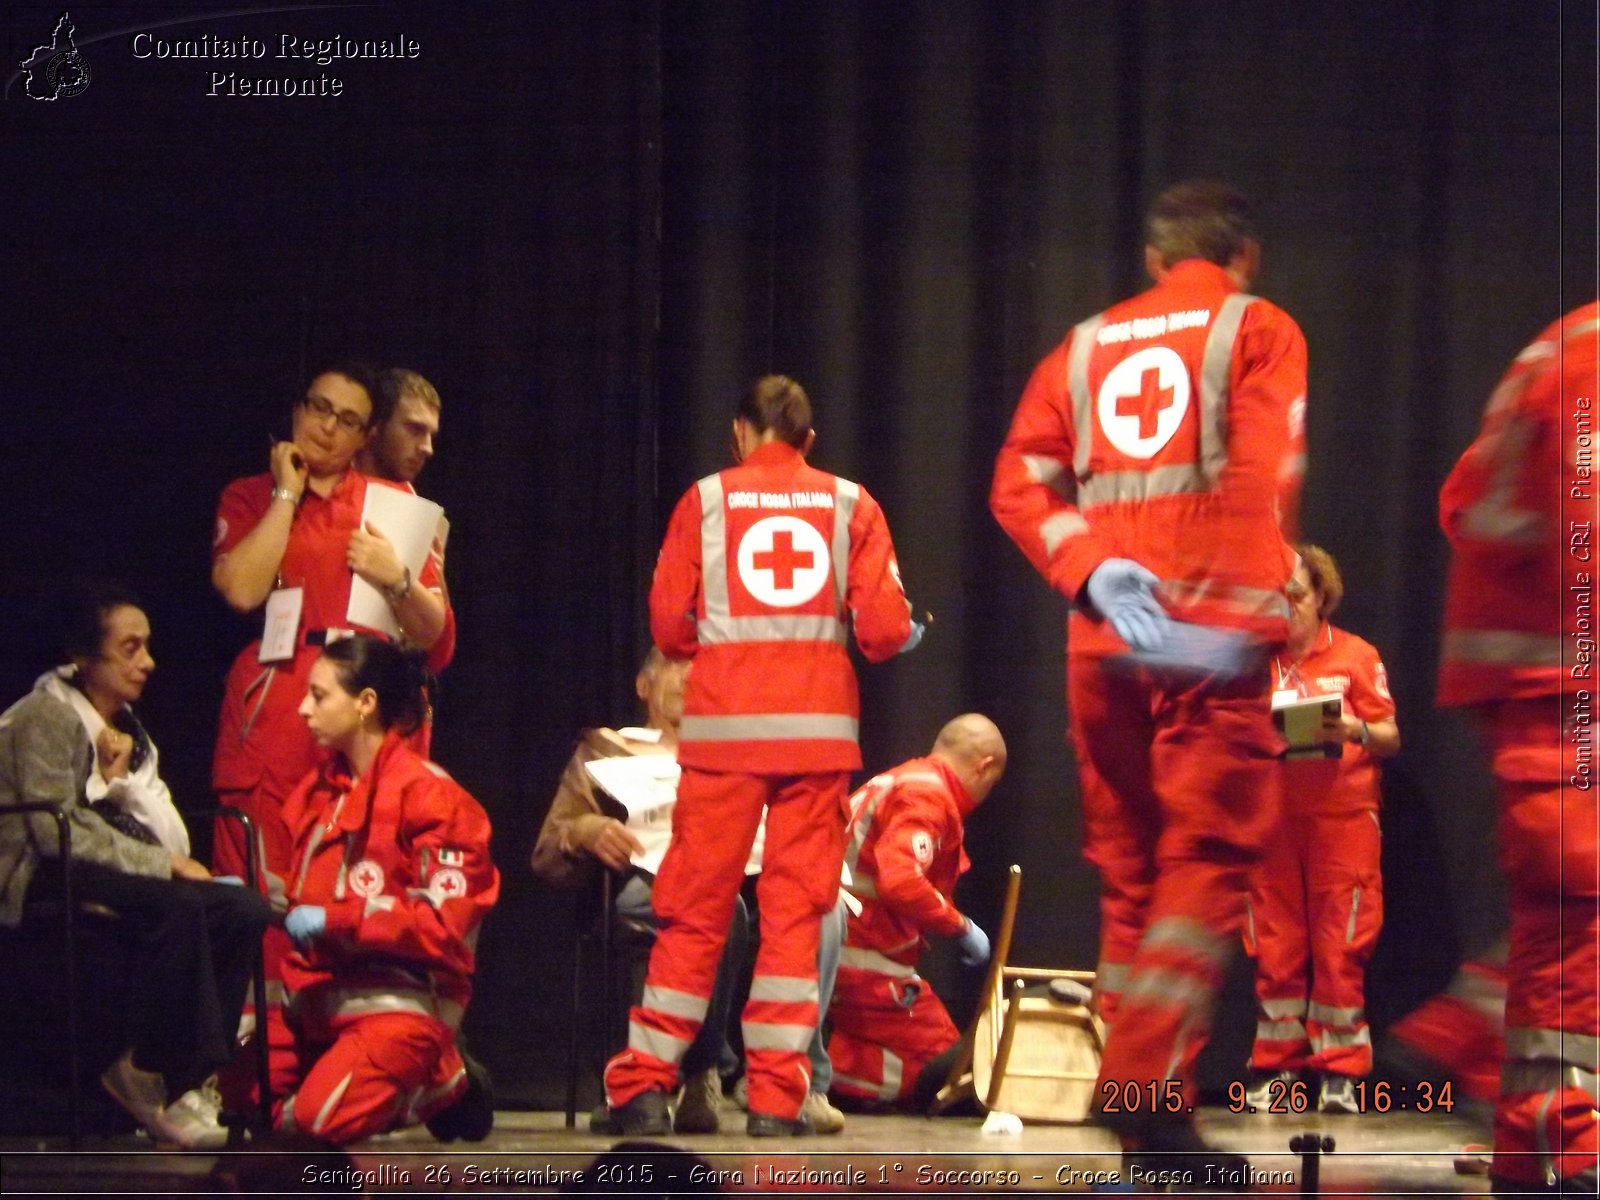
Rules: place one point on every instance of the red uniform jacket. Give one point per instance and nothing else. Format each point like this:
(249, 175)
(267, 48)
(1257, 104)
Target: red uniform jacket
(401, 863)
(1519, 510)
(764, 567)
(1338, 664)
(1170, 430)
(260, 735)
(904, 851)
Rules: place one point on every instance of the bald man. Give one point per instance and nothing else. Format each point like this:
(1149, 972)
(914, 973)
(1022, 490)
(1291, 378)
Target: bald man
(892, 1037)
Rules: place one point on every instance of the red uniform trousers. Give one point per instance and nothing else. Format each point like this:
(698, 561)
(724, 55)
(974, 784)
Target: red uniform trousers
(713, 826)
(1545, 1125)
(1315, 912)
(884, 1029)
(1462, 1030)
(348, 1078)
(1180, 790)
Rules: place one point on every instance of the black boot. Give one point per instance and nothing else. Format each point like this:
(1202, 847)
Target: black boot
(646, 1115)
(1163, 1151)
(471, 1117)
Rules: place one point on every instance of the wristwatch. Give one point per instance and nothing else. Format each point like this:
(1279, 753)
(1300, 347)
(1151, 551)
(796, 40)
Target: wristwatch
(283, 493)
(396, 592)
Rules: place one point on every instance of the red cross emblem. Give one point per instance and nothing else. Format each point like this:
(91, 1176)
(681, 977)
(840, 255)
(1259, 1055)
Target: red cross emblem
(1148, 403)
(783, 559)
(366, 878)
(1143, 400)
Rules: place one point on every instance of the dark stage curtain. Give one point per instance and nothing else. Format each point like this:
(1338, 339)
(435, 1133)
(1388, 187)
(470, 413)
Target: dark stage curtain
(591, 223)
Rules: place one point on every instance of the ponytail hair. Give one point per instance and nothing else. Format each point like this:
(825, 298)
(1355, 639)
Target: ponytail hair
(778, 403)
(395, 676)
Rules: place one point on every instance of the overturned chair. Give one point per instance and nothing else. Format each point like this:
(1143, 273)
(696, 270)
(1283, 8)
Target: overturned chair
(1033, 1049)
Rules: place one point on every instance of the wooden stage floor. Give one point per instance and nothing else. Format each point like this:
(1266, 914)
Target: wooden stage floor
(1398, 1154)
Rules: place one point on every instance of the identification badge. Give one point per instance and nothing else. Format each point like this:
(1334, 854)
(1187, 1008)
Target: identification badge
(282, 628)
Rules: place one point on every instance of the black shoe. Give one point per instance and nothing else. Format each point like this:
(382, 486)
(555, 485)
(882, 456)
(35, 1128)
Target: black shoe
(600, 1121)
(762, 1125)
(471, 1117)
(646, 1115)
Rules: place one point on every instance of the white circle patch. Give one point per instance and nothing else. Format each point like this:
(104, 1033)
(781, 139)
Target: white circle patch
(783, 561)
(366, 878)
(448, 884)
(922, 846)
(1143, 400)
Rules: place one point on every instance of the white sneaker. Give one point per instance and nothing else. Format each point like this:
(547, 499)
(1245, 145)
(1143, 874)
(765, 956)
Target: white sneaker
(1268, 1088)
(1338, 1094)
(822, 1115)
(191, 1122)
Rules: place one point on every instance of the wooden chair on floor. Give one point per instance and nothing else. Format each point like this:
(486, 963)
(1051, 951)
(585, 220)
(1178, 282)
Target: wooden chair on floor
(1035, 1056)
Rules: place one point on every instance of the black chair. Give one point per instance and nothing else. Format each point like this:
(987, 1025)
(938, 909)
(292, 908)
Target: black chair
(64, 911)
(598, 934)
(258, 978)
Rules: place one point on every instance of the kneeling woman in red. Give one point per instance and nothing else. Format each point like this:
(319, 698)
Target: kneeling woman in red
(390, 880)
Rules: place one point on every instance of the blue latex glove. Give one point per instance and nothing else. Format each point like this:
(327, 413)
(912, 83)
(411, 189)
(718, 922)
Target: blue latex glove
(230, 880)
(1124, 593)
(1202, 650)
(973, 944)
(306, 924)
(918, 628)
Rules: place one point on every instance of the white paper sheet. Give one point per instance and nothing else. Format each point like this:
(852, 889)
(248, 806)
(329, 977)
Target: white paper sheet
(411, 523)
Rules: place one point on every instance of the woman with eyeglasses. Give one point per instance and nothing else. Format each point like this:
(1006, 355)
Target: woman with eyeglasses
(289, 544)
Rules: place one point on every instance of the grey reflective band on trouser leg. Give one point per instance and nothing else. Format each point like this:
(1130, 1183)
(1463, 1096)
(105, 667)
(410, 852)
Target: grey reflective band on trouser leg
(769, 727)
(893, 1075)
(1083, 339)
(674, 1003)
(762, 1035)
(656, 1043)
(1323, 1039)
(784, 989)
(1280, 1031)
(846, 494)
(1215, 366)
(1186, 933)
(1328, 1015)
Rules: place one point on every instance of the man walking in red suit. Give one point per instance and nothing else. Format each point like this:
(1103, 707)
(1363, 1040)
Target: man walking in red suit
(1149, 474)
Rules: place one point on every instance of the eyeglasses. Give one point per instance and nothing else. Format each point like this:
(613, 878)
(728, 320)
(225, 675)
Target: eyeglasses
(348, 421)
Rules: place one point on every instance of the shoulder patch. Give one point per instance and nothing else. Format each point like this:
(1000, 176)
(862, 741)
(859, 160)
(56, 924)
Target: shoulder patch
(922, 846)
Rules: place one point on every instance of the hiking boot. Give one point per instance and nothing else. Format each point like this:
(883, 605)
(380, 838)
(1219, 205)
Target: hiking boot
(1269, 1090)
(699, 1103)
(646, 1115)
